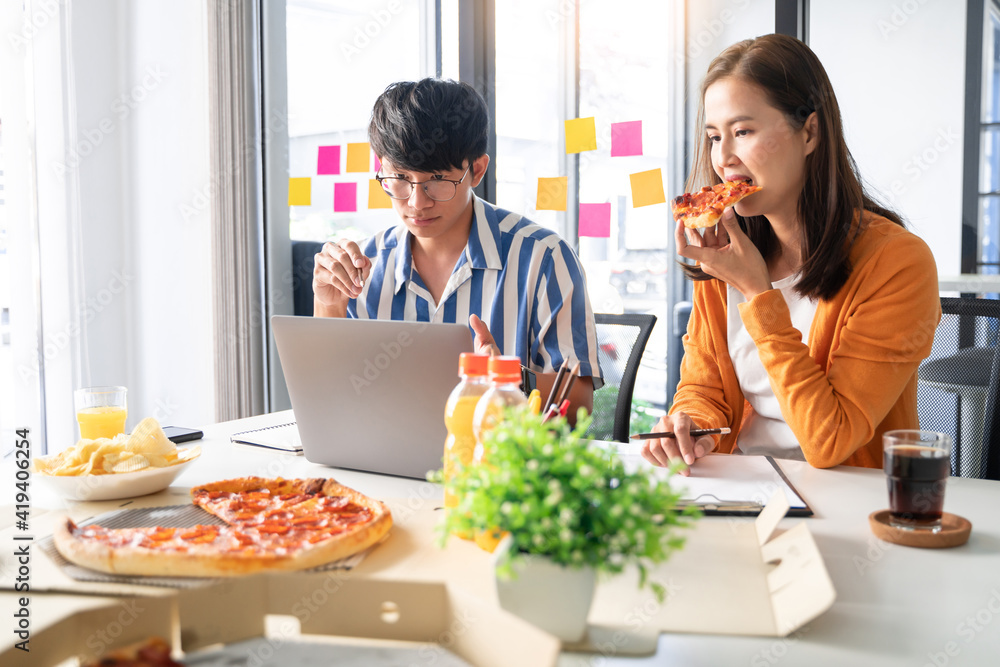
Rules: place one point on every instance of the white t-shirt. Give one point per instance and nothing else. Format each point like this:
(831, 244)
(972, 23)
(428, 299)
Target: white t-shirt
(765, 431)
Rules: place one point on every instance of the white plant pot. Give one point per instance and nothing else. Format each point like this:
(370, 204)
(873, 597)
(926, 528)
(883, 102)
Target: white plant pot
(554, 598)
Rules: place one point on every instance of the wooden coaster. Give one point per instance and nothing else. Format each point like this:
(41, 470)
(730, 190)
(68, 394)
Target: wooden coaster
(954, 532)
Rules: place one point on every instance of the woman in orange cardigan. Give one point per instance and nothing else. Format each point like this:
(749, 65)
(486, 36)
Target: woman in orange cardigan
(813, 305)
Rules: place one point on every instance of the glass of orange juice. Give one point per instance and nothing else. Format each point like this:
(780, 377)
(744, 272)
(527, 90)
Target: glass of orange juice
(101, 411)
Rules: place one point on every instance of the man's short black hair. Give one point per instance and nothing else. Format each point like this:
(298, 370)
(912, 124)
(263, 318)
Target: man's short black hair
(429, 125)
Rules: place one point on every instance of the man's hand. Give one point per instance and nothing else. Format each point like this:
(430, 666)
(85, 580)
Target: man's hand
(661, 451)
(484, 343)
(339, 272)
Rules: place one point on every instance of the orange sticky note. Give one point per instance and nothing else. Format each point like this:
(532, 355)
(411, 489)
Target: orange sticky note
(647, 188)
(377, 197)
(581, 135)
(552, 194)
(299, 191)
(358, 157)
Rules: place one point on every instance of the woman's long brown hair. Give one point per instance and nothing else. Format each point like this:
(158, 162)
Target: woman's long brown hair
(833, 196)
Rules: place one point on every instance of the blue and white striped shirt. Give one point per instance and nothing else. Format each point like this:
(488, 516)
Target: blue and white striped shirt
(521, 279)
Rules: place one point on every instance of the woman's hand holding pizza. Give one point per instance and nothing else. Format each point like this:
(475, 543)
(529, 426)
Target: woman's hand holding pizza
(726, 253)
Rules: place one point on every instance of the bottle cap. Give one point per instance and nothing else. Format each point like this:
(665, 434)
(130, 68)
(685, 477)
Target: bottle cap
(506, 369)
(472, 364)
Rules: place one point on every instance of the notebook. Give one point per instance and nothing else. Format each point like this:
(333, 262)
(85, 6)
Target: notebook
(370, 394)
(714, 489)
(283, 437)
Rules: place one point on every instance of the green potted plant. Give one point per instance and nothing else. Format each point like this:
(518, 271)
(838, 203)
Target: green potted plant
(569, 510)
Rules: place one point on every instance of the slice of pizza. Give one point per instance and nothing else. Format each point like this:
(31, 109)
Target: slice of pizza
(704, 208)
(272, 524)
(154, 652)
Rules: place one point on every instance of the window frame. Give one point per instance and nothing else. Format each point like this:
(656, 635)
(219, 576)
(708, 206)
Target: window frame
(976, 26)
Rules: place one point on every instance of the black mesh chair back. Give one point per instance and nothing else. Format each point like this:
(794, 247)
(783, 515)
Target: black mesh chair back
(303, 257)
(958, 385)
(621, 340)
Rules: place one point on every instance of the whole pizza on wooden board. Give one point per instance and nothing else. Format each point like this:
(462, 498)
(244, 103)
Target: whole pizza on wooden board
(704, 209)
(272, 524)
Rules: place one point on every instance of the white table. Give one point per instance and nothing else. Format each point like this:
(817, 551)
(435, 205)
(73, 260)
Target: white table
(975, 283)
(895, 605)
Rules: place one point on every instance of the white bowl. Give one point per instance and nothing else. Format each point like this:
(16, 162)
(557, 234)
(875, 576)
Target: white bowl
(115, 486)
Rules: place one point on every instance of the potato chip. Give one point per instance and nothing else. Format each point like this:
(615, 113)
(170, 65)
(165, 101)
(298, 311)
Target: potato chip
(133, 463)
(147, 446)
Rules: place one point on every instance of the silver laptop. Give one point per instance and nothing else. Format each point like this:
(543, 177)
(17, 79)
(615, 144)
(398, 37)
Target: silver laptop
(370, 394)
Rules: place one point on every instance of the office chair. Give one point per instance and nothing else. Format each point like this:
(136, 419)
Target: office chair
(303, 254)
(621, 340)
(958, 386)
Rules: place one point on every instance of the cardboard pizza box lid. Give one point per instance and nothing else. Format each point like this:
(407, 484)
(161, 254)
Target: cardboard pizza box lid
(731, 577)
(86, 627)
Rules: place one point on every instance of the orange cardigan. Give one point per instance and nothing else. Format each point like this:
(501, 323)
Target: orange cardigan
(856, 378)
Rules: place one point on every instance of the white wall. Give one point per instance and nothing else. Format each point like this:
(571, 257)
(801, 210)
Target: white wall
(898, 69)
(141, 93)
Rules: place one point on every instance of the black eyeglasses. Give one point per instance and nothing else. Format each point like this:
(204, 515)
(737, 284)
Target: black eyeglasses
(438, 189)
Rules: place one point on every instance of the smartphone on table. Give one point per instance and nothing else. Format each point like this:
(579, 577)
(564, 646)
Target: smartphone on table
(177, 434)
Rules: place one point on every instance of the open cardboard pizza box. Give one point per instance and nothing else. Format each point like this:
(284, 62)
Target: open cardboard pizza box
(418, 621)
(731, 577)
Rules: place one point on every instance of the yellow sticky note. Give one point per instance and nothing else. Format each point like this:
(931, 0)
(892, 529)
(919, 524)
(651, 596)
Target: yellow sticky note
(299, 191)
(377, 197)
(581, 135)
(358, 157)
(552, 194)
(647, 188)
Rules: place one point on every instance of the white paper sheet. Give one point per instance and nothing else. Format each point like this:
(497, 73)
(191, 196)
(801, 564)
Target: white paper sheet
(707, 484)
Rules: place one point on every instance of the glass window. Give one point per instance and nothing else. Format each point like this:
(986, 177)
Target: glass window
(529, 109)
(341, 56)
(623, 72)
(988, 250)
(6, 352)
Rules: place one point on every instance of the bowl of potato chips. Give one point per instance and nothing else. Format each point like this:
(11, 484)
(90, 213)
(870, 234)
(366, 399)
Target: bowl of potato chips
(125, 466)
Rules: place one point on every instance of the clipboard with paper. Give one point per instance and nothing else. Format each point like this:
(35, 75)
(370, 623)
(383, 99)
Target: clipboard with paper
(721, 493)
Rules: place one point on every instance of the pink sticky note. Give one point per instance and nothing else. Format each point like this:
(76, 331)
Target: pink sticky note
(378, 163)
(329, 160)
(626, 138)
(595, 220)
(345, 197)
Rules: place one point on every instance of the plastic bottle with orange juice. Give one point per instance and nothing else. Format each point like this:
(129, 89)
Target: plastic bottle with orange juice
(505, 391)
(458, 414)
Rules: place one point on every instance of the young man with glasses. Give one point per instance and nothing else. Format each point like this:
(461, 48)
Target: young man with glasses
(455, 257)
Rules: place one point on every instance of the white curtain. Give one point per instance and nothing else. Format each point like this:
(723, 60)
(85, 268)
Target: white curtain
(234, 86)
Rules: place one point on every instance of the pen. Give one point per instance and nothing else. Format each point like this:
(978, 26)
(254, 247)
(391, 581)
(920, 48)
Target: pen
(695, 433)
(555, 386)
(568, 385)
